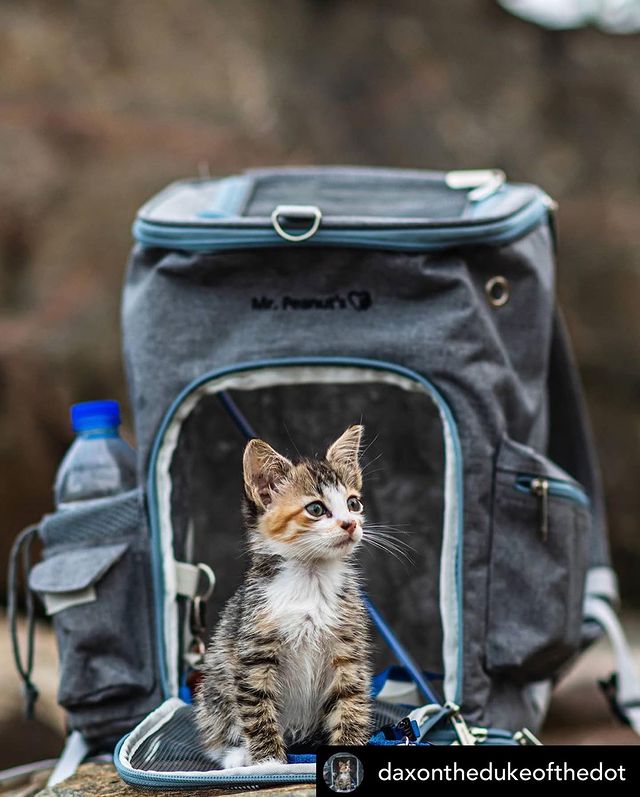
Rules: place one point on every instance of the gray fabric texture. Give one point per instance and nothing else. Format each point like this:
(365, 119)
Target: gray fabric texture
(95, 521)
(108, 671)
(75, 570)
(536, 585)
(504, 371)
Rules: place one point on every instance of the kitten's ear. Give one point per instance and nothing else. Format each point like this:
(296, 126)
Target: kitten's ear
(343, 455)
(263, 470)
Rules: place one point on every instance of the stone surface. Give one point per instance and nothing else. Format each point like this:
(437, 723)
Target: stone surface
(101, 780)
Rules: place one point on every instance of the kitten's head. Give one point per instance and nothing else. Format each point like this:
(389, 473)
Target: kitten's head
(345, 767)
(308, 510)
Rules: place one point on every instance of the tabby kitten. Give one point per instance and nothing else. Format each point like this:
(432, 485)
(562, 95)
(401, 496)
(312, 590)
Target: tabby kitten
(344, 780)
(289, 660)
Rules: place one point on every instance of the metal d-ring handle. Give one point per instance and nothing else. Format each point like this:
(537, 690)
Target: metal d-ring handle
(211, 581)
(311, 212)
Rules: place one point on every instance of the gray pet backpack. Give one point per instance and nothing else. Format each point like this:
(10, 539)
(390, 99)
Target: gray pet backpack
(288, 304)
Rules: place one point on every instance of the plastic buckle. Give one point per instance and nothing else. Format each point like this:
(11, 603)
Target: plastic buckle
(405, 731)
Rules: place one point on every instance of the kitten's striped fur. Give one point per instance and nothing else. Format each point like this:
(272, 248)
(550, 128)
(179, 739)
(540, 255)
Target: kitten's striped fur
(289, 660)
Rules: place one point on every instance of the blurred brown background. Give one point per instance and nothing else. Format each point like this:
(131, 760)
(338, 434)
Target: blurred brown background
(101, 104)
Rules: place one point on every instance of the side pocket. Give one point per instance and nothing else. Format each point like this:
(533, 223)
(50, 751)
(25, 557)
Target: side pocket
(541, 520)
(95, 583)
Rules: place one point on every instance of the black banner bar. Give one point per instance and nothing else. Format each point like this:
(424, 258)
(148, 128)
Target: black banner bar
(399, 770)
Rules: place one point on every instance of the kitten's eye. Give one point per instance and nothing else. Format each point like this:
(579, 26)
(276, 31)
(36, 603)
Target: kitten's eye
(316, 509)
(354, 504)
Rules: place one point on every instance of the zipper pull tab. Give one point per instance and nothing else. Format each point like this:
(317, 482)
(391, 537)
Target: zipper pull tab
(462, 730)
(526, 738)
(540, 487)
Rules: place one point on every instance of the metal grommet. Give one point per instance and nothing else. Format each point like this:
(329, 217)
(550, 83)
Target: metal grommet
(497, 291)
(298, 212)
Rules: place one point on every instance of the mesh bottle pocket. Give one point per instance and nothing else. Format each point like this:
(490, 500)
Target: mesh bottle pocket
(95, 583)
(541, 520)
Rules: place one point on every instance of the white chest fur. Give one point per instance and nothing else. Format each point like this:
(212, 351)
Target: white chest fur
(304, 603)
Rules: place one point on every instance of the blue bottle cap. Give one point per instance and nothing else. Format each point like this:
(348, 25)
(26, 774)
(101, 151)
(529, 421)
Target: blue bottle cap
(103, 414)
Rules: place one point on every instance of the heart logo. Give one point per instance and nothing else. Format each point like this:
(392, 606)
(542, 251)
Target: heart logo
(360, 300)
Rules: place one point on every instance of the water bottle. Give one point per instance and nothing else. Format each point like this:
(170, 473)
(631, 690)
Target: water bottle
(99, 463)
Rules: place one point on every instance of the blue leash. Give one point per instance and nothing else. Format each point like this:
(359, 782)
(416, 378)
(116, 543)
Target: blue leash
(396, 647)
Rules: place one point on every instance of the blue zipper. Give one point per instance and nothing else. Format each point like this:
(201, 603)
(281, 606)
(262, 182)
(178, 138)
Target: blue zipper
(526, 483)
(404, 237)
(198, 780)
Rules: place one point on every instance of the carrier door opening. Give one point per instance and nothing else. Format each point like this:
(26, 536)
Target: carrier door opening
(299, 411)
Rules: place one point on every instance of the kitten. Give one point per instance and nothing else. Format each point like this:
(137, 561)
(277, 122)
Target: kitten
(343, 781)
(289, 660)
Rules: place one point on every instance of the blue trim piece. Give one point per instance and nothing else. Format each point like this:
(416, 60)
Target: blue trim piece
(460, 547)
(557, 489)
(193, 238)
(277, 363)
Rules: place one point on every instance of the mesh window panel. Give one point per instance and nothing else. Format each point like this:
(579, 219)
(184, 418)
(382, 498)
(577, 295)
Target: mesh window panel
(361, 196)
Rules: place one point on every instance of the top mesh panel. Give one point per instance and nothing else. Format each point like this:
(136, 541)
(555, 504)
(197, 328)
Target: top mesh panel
(357, 196)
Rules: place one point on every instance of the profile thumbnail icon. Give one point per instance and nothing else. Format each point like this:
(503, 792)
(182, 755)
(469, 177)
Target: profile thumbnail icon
(343, 773)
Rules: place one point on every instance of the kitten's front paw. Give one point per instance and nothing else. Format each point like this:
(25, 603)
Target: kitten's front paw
(270, 761)
(235, 757)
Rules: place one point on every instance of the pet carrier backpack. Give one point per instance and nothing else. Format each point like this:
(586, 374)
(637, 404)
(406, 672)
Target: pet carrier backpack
(294, 302)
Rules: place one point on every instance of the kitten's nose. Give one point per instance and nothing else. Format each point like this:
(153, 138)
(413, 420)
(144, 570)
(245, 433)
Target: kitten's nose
(348, 525)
